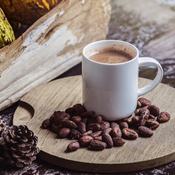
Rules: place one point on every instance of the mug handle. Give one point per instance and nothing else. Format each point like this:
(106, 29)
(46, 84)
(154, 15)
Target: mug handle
(147, 61)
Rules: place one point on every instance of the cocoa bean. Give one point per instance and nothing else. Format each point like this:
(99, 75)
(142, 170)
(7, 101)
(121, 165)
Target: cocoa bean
(114, 125)
(98, 138)
(82, 127)
(73, 146)
(58, 117)
(144, 101)
(154, 110)
(129, 119)
(144, 131)
(152, 124)
(123, 125)
(105, 125)
(69, 124)
(88, 114)
(116, 132)
(85, 140)
(63, 132)
(74, 134)
(135, 120)
(94, 127)
(97, 145)
(143, 112)
(96, 134)
(139, 104)
(129, 134)
(76, 119)
(152, 117)
(71, 111)
(118, 141)
(79, 109)
(108, 140)
(54, 128)
(163, 117)
(99, 118)
(107, 130)
(84, 120)
(46, 124)
(88, 133)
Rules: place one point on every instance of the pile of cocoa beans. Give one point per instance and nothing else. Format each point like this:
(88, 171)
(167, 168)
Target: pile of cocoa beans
(91, 131)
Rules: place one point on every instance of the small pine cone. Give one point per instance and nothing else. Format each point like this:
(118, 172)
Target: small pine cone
(2, 125)
(19, 146)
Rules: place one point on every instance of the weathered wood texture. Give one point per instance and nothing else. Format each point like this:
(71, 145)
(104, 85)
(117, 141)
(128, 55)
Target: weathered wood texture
(51, 46)
(134, 155)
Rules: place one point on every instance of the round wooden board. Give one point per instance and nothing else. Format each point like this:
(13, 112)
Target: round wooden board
(134, 155)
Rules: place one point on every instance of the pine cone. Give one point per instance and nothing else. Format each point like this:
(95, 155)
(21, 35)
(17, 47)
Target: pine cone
(2, 125)
(18, 146)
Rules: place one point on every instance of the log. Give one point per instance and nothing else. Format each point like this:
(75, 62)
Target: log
(50, 46)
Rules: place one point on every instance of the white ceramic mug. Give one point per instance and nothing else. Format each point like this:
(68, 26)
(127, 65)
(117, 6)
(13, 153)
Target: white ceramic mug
(112, 89)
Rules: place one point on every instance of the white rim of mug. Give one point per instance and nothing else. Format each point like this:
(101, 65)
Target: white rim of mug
(110, 64)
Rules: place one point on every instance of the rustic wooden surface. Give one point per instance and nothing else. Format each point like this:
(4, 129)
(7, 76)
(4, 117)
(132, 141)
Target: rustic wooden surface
(128, 25)
(134, 155)
(50, 46)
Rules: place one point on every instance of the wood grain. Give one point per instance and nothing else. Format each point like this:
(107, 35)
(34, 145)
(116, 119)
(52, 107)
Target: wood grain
(134, 155)
(50, 46)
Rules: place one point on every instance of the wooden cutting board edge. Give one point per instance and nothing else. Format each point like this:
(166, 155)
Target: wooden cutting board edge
(101, 167)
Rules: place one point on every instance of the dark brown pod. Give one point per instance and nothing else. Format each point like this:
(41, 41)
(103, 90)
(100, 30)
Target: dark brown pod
(63, 132)
(88, 133)
(123, 125)
(107, 130)
(54, 128)
(99, 118)
(88, 114)
(58, 117)
(82, 127)
(163, 117)
(143, 112)
(129, 119)
(75, 134)
(73, 146)
(152, 124)
(71, 111)
(97, 145)
(76, 119)
(105, 125)
(152, 117)
(129, 134)
(139, 105)
(144, 101)
(116, 132)
(94, 127)
(118, 141)
(79, 109)
(46, 124)
(144, 131)
(69, 124)
(108, 140)
(114, 125)
(96, 134)
(98, 138)
(154, 110)
(85, 140)
(135, 120)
